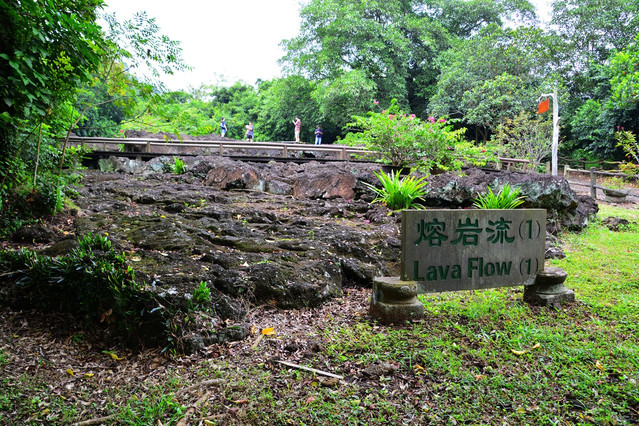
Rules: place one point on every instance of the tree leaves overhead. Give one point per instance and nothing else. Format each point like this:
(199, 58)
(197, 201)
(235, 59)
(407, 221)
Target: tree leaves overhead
(46, 50)
(595, 27)
(393, 43)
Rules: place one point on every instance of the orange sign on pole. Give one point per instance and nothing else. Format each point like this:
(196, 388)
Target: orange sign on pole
(543, 106)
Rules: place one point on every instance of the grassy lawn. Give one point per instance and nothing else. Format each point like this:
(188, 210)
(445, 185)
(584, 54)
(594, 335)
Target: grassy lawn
(481, 357)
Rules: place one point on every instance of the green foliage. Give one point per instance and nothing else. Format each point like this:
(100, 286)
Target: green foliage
(624, 75)
(506, 198)
(201, 295)
(178, 166)
(629, 169)
(615, 182)
(403, 140)
(504, 78)
(525, 136)
(42, 66)
(92, 280)
(627, 140)
(399, 194)
(281, 100)
(394, 44)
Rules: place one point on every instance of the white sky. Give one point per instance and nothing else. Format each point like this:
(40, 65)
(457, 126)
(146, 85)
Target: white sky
(226, 40)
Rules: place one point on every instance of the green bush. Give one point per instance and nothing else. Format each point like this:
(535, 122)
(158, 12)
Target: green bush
(93, 280)
(507, 198)
(399, 194)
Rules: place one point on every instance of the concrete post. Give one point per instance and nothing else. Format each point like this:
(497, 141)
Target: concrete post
(395, 301)
(549, 289)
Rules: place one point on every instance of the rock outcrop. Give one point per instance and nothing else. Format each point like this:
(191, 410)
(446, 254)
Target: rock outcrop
(277, 233)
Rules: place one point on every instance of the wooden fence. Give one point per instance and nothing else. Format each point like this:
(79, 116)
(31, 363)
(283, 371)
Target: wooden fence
(592, 173)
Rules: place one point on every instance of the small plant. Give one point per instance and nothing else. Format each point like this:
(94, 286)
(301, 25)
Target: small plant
(399, 194)
(628, 141)
(178, 166)
(615, 183)
(202, 294)
(506, 198)
(629, 169)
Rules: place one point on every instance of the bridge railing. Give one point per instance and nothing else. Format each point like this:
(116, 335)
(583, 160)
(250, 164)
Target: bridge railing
(285, 148)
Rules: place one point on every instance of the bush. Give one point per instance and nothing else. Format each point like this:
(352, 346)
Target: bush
(178, 166)
(403, 140)
(93, 280)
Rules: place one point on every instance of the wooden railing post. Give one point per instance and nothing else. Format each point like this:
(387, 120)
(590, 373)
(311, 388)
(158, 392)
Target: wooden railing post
(285, 152)
(593, 183)
(566, 169)
(148, 146)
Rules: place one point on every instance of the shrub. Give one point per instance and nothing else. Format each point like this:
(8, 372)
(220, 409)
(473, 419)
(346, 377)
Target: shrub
(507, 198)
(92, 280)
(403, 139)
(399, 194)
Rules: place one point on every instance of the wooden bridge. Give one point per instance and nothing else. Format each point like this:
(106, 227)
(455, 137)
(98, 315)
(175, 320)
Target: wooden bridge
(146, 148)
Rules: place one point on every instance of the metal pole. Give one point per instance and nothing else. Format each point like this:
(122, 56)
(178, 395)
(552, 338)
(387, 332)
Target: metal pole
(555, 130)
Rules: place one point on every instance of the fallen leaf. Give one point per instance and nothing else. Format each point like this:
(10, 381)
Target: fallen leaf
(268, 331)
(241, 401)
(115, 357)
(599, 366)
(70, 372)
(88, 375)
(310, 399)
(525, 351)
(419, 367)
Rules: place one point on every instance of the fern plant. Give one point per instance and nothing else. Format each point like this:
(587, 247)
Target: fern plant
(507, 198)
(399, 194)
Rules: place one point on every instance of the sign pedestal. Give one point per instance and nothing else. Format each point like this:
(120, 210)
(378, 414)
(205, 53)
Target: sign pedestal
(395, 301)
(549, 289)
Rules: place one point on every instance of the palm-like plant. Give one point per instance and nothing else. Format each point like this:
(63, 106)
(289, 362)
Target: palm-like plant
(399, 194)
(507, 198)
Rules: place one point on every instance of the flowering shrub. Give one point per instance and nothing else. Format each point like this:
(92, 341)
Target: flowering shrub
(627, 140)
(404, 140)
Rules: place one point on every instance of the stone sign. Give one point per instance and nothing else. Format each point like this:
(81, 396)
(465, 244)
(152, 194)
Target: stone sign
(450, 250)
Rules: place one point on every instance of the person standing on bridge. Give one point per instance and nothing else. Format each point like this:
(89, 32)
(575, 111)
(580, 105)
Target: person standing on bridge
(223, 127)
(318, 135)
(249, 132)
(298, 127)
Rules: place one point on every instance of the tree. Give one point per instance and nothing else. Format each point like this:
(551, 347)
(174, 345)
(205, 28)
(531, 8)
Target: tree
(393, 43)
(350, 94)
(506, 75)
(593, 28)
(281, 100)
(624, 75)
(46, 50)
